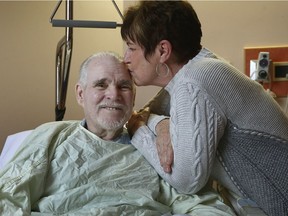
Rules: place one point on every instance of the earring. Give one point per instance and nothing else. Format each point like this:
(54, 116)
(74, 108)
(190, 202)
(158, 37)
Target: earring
(167, 72)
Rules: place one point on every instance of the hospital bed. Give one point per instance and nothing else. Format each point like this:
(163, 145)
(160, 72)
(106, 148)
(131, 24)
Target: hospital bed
(242, 207)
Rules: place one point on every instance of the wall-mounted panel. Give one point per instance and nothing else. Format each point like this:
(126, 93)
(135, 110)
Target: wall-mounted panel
(279, 58)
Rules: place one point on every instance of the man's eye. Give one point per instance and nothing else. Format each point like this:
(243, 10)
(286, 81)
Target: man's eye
(100, 85)
(126, 87)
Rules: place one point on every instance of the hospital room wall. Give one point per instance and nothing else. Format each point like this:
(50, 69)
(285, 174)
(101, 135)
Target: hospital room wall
(28, 43)
(230, 26)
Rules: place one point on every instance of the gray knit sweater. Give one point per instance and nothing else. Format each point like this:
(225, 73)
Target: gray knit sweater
(223, 124)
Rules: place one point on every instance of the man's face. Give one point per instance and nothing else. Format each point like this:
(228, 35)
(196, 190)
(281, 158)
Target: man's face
(108, 97)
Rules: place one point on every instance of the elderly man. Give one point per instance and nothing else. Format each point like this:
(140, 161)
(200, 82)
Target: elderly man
(89, 167)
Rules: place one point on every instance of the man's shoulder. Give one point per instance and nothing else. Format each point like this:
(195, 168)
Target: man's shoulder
(56, 127)
(60, 123)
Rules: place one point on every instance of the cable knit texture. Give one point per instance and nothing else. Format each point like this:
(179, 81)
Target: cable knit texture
(264, 178)
(204, 95)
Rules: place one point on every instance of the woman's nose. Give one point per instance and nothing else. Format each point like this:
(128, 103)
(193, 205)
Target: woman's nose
(126, 57)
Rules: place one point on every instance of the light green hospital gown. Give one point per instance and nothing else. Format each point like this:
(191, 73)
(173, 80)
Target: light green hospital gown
(63, 169)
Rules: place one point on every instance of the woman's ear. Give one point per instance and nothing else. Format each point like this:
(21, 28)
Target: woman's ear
(165, 48)
(79, 94)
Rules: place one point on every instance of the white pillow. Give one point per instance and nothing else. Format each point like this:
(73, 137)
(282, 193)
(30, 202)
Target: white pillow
(11, 145)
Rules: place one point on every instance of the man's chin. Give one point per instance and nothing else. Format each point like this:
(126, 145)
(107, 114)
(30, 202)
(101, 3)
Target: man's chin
(110, 124)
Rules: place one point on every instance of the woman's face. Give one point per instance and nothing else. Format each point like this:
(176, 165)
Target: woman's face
(142, 70)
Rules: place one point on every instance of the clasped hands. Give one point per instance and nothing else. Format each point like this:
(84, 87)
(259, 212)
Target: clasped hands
(163, 140)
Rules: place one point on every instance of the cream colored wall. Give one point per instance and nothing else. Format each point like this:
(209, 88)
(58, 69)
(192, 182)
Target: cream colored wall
(229, 26)
(28, 43)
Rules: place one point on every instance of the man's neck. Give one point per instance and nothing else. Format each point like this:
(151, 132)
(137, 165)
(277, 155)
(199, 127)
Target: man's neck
(104, 134)
(110, 135)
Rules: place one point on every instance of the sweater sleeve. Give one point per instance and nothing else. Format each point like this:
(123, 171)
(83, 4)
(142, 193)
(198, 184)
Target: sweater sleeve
(196, 127)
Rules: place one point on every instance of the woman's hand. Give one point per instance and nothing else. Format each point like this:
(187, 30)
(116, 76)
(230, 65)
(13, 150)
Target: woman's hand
(163, 140)
(164, 145)
(137, 120)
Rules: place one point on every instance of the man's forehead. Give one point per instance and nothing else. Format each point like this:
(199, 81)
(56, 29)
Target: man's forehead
(111, 69)
(107, 74)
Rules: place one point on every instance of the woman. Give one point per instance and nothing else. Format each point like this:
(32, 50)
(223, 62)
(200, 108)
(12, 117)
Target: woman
(222, 124)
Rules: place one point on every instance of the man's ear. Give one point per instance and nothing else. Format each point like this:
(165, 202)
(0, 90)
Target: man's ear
(165, 50)
(79, 93)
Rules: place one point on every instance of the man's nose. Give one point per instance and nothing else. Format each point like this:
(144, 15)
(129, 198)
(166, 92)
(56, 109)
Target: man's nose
(112, 93)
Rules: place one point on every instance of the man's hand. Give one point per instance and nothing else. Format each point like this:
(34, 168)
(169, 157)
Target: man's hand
(137, 120)
(164, 145)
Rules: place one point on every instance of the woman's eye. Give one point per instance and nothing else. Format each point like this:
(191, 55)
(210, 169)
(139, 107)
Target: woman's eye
(132, 48)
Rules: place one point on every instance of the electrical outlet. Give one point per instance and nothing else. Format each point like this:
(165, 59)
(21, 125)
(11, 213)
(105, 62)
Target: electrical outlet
(253, 69)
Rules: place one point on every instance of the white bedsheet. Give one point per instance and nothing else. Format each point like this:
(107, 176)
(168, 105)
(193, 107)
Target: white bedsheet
(12, 143)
